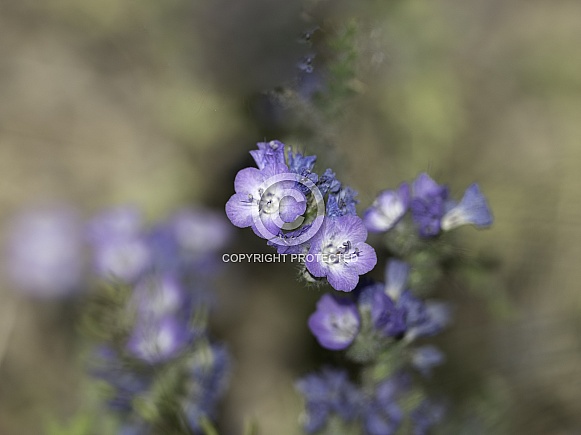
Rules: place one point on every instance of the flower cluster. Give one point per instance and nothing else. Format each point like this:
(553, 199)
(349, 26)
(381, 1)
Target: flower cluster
(431, 209)
(161, 369)
(372, 322)
(299, 211)
(334, 404)
(386, 313)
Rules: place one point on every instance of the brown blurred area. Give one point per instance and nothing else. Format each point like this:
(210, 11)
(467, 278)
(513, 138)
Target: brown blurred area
(146, 102)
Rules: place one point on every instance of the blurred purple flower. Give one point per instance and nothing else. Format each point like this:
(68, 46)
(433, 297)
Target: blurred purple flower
(387, 317)
(423, 319)
(156, 340)
(396, 275)
(472, 209)
(425, 358)
(428, 204)
(428, 414)
(120, 250)
(326, 394)
(387, 209)
(44, 252)
(207, 381)
(383, 415)
(156, 297)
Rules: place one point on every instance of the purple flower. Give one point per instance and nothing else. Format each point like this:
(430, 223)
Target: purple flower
(116, 223)
(336, 322)
(119, 248)
(156, 298)
(423, 319)
(45, 252)
(124, 259)
(326, 394)
(207, 381)
(299, 163)
(472, 209)
(200, 231)
(342, 203)
(425, 358)
(339, 252)
(265, 208)
(428, 204)
(157, 340)
(396, 275)
(386, 316)
(383, 415)
(269, 154)
(387, 209)
(426, 415)
(127, 384)
(328, 183)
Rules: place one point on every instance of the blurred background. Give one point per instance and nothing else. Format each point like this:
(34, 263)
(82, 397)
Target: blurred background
(158, 103)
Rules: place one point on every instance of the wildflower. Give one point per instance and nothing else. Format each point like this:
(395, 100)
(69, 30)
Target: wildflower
(206, 382)
(125, 382)
(387, 318)
(427, 414)
(342, 203)
(258, 205)
(428, 204)
(425, 358)
(157, 340)
(387, 209)
(328, 183)
(396, 275)
(326, 394)
(423, 319)
(339, 252)
(383, 415)
(119, 248)
(298, 163)
(269, 154)
(472, 209)
(336, 322)
(45, 252)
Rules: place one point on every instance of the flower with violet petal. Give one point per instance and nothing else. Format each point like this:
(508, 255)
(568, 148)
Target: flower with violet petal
(387, 209)
(342, 203)
(383, 415)
(425, 358)
(396, 275)
(328, 183)
(120, 248)
(269, 154)
(207, 382)
(327, 394)
(336, 322)
(472, 209)
(157, 340)
(387, 317)
(262, 203)
(428, 414)
(428, 204)
(44, 252)
(423, 319)
(339, 252)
